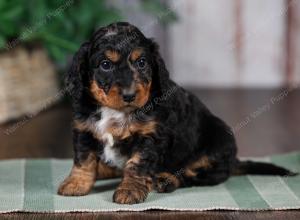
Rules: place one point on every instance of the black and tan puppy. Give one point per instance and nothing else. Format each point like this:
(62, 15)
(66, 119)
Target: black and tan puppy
(132, 121)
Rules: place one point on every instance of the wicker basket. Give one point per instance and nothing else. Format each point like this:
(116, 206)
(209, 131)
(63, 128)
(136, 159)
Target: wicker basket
(27, 80)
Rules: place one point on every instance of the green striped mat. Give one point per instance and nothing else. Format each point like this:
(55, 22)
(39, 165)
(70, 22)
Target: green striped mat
(30, 185)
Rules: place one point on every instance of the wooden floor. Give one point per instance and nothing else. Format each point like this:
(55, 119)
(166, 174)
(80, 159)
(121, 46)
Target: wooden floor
(264, 121)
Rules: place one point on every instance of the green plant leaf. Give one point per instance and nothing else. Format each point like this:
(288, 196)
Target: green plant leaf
(56, 52)
(60, 27)
(8, 28)
(59, 42)
(2, 42)
(38, 10)
(12, 13)
(2, 4)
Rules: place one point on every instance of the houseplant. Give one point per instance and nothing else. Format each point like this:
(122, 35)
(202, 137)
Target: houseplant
(35, 34)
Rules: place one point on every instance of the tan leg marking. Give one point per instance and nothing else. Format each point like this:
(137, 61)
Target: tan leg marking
(166, 182)
(81, 179)
(105, 172)
(133, 188)
(203, 162)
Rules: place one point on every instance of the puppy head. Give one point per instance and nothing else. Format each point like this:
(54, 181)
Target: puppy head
(119, 68)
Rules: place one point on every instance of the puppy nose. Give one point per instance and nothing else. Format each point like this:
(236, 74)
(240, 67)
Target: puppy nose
(129, 97)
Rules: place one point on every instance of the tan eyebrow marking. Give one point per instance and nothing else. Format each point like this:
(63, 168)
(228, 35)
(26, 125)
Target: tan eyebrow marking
(135, 54)
(112, 55)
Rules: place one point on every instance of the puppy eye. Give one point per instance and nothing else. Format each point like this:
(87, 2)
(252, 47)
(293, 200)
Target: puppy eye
(106, 65)
(141, 63)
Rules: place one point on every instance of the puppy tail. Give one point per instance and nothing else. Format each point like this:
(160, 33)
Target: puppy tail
(260, 168)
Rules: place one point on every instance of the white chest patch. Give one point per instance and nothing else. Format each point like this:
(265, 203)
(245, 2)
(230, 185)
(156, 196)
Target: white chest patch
(111, 155)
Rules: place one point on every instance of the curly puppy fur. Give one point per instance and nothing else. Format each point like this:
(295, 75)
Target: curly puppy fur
(132, 121)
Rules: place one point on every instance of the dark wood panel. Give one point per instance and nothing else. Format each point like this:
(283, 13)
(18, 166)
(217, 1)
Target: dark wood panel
(275, 129)
(46, 135)
(166, 215)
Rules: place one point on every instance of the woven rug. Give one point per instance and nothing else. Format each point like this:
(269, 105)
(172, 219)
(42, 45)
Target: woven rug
(30, 185)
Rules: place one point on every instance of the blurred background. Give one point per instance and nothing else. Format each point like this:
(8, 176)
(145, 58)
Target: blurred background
(240, 57)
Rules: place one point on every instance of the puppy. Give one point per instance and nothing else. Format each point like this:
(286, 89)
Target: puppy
(132, 121)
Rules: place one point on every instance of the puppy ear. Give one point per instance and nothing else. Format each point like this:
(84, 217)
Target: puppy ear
(77, 74)
(161, 76)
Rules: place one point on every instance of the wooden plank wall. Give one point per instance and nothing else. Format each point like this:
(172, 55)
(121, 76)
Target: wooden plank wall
(201, 43)
(293, 43)
(236, 43)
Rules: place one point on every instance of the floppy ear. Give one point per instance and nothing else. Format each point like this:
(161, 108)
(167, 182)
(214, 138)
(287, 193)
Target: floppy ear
(161, 76)
(77, 74)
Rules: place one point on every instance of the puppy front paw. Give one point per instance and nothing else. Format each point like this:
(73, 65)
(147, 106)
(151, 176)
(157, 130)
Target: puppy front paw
(75, 187)
(129, 195)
